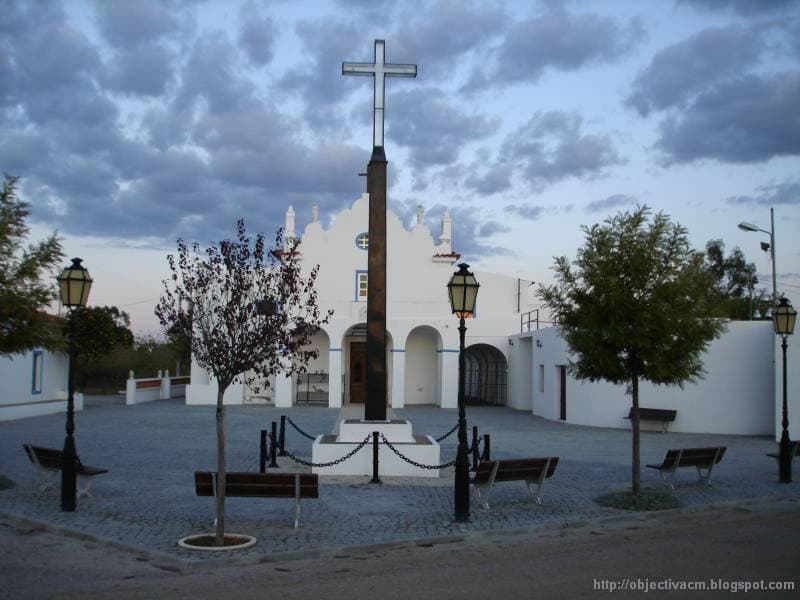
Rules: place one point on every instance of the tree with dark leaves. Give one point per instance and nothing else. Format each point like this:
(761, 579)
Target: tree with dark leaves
(735, 280)
(249, 312)
(636, 304)
(25, 291)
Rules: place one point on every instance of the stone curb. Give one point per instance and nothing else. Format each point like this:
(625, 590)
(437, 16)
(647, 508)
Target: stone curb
(186, 565)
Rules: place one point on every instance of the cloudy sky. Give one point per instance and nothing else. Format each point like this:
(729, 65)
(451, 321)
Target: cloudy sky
(135, 123)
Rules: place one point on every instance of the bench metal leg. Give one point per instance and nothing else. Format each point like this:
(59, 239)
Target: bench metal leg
(538, 483)
(296, 500)
(482, 494)
(671, 481)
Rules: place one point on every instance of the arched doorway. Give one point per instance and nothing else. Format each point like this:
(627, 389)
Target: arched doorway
(311, 387)
(486, 376)
(354, 364)
(423, 371)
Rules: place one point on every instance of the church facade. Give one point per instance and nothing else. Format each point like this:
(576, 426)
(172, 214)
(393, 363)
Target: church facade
(422, 333)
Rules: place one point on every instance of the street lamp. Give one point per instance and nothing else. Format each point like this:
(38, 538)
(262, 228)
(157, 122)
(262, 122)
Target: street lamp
(74, 284)
(771, 233)
(463, 291)
(783, 319)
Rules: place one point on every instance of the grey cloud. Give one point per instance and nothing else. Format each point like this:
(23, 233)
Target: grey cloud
(318, 81)
(560, 40)
(490, 228)
(679, 71)
(146, 71)
(610, 202)
(128, 24)
(496, 178)
(211, 73)
(526, 211)
(742, 7)
(257, 34)
(424, 121)
(552, 146)
(786, 192)
(750, 119)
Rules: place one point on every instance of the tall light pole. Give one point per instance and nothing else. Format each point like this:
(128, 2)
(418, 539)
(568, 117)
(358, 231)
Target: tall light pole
(771, 233)
(783, 319)
(74, 284)
(463, 292)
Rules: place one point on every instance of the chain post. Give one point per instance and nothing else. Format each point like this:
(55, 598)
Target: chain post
(474, 447)
(487, 448)
(262, 454)
(282, 437)
(375, 450)
(273, 447)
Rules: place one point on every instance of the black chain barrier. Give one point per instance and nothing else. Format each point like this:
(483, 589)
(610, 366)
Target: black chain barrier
(413, 462)
(300, 431)
(308, 463)
(439, 439)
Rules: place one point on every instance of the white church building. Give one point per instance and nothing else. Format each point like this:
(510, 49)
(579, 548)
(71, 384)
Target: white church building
(510, 361)
(422, 332)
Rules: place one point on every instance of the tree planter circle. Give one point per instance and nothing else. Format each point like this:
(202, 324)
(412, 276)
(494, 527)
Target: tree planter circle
(207, 541)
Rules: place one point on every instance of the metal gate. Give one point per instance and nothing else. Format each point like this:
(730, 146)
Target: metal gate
(486, 377)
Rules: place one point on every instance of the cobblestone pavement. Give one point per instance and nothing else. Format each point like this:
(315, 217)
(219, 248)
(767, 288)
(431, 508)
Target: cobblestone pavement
(147, 500)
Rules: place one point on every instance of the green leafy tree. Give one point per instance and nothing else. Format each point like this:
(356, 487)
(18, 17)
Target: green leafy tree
(636, 304)
(25, 291)
(212, 300)
(98, 331)
(735, 280)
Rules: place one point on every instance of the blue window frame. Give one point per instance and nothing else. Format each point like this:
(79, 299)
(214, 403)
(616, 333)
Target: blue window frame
(36, 374)
(361, 286)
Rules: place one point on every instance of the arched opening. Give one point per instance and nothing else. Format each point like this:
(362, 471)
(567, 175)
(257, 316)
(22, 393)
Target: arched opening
(423, 371)
(354, 364)
(486, 375)
(311, 387)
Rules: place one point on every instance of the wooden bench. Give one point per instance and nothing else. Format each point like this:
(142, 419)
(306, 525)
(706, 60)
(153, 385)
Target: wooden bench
(665, 416)
(794, 450)
(533, 471)
(49, 462)
(261, 485)
(700, 458)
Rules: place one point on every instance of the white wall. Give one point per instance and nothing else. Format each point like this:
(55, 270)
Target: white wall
(734, 397)
(17, 399)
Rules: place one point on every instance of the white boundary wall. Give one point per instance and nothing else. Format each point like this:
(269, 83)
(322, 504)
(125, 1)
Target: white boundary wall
(735, 397)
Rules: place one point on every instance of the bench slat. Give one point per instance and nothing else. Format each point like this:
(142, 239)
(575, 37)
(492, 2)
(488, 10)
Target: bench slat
(259, 485)
(50, 458)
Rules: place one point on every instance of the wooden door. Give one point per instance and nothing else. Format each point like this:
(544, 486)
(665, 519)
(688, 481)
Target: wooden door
(358, 372)
(563, 392)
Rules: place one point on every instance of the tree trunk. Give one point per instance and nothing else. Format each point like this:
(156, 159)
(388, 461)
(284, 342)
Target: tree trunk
(635, 432)
(220, 533)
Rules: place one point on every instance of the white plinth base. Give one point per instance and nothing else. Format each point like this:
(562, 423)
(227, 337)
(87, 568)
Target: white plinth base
(422, 449)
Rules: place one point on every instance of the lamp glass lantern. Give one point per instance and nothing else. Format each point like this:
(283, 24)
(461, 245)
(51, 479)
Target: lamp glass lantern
(784, 318)
(463, 291)
(74, 284)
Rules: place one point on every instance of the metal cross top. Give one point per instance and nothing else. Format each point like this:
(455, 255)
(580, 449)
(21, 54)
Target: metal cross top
(379, 70)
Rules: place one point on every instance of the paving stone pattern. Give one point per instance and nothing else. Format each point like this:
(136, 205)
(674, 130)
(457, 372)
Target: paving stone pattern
(148, 501)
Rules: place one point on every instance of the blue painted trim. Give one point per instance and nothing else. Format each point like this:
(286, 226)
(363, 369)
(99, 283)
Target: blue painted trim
(357, 299)
(36, 386)
(398, 350)
(355, 241)
(447, 350)
(334, 349)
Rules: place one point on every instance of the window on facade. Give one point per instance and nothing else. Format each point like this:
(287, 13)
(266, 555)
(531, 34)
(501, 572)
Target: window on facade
(361, 285)
(38, 363)
(541, 379)
(362, 241)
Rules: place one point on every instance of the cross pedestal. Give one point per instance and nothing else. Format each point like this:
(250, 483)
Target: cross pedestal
(352, 431)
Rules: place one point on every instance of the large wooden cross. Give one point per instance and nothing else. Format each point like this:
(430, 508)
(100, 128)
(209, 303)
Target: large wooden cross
(379, 70)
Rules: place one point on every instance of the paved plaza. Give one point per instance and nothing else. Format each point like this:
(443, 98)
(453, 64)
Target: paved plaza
(147, 500)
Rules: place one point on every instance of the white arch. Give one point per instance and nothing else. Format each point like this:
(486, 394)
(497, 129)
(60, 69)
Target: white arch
(423, 369)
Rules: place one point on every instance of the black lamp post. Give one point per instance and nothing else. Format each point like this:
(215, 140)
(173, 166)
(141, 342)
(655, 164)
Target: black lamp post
(783, 319)
(463, 291)
(74, 284)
